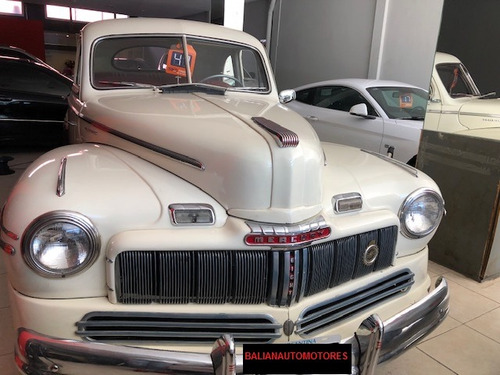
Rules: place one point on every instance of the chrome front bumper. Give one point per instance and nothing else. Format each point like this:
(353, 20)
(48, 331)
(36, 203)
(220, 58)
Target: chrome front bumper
(374, 342)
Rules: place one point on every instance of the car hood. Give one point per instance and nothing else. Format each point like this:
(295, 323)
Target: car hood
(216, 143)
(480, 114)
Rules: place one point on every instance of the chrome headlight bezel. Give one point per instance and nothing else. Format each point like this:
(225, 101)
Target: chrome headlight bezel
(409, 205)
(65, 220)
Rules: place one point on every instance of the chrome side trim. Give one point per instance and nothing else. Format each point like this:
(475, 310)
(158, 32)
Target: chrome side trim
(478, 114)
(413, 171)
(171, 154)
(5, 230)
(36, 121)
(282, 136)
(61, 178)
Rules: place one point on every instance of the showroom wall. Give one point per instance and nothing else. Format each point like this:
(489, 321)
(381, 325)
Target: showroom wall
(470, 30)
(324, 39)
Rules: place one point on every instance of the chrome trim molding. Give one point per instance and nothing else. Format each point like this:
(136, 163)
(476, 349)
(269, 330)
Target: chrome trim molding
(413, 171)
(61, 178)
(478, 114)
(171, 154)
(282, 136)
(5, 230)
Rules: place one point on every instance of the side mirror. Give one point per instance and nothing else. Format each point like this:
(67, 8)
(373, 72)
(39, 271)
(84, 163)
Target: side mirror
(286, 96)
(361, 110)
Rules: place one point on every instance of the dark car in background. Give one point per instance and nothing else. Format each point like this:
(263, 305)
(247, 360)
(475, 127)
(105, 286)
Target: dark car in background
(33, 103)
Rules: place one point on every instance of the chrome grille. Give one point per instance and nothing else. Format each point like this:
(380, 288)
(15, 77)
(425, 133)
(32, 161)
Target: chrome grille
(276, 277)
(319, 317)
(194, 328)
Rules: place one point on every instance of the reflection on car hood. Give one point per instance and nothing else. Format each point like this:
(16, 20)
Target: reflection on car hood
(213, 142)
(480, 113)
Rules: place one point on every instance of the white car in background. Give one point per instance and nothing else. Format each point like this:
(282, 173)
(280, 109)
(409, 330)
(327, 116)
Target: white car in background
(376, 115)
(455, 103)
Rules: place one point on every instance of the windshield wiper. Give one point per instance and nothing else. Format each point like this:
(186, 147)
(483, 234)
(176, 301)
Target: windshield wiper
(193, 87)
(258, 89)
(126, 84)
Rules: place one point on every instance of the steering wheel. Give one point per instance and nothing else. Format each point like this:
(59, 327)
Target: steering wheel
(237, 82)
(418, 111)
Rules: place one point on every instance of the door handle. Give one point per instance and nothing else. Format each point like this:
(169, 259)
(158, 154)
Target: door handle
(312, 118)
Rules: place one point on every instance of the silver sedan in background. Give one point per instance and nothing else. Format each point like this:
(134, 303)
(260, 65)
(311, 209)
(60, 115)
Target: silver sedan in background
(376, 115)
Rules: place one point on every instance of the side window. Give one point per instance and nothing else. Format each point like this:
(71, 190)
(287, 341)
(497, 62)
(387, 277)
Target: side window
(253, 73)
(340, 98)
(306, 96)
(27, 78)
(453, 80)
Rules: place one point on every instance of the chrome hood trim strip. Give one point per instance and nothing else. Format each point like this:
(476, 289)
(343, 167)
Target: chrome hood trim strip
(408, 168)
(171, 154)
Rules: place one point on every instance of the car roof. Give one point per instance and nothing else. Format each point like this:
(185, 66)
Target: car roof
(358, 83)
(159, 26)
(12, 51)
(42, 65)
(442, 58)
(17, 52)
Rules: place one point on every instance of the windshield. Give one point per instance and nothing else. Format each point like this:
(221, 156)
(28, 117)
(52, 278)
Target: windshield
(457, 80)
(401, 102)
(139, 61)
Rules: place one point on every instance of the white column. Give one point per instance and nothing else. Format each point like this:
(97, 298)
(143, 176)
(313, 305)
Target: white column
(233, 13)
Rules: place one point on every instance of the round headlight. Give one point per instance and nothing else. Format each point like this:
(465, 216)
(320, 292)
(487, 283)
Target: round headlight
(421, 213)
(60, 243)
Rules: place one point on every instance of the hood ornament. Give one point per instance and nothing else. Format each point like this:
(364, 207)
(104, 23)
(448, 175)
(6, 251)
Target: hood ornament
(282, 136)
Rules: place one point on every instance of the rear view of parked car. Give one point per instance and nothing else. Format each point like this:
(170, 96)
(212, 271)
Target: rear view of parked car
(381, 116)
(193, 214)
(33, 103)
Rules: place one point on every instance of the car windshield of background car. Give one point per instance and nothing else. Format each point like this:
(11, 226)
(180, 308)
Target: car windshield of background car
(136, 62)
(401, 102)
(456, 80)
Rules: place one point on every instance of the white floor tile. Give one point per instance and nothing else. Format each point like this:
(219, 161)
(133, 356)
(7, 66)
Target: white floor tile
(465, 351)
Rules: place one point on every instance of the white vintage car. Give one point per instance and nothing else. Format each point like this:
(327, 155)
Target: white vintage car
(193, 213)
(455, 103)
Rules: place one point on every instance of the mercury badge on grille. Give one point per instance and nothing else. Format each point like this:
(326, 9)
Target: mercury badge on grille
(287, 235)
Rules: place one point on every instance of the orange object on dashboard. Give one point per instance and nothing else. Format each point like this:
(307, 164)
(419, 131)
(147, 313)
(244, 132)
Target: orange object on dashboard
(176, 62)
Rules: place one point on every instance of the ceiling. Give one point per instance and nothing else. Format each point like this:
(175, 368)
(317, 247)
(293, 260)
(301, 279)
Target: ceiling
(190, 9)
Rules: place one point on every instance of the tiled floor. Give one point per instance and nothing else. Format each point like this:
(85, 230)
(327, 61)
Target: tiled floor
(468, 342)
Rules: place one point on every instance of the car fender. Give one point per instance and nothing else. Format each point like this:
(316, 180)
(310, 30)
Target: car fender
(97, 182)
